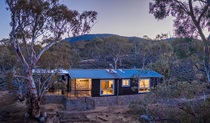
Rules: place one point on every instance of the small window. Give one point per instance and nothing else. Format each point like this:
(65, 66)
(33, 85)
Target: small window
(125, 83)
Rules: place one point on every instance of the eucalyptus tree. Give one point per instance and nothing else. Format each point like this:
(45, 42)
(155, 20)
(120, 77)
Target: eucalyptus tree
(58, 56)
(42, 22)
(117, 47)
(7, 61)
(191, 18)
(93, 49)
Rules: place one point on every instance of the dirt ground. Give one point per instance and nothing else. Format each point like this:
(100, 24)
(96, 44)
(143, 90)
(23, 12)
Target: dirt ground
(13, 111)
(108, 114)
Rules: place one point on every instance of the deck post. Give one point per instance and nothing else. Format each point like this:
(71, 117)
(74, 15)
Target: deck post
(118, 91)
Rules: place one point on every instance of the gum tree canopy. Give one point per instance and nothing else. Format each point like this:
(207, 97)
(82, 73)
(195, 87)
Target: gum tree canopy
(41, 22)
(192, 17)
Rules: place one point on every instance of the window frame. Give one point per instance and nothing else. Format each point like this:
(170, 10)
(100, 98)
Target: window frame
(112, 87)
(129, 83)
(139, 85)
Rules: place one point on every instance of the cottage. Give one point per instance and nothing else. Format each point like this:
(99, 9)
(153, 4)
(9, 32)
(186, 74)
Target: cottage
(83, 89)
(107, 82)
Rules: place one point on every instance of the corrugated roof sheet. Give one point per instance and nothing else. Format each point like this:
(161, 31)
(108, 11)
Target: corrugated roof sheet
(106, 74)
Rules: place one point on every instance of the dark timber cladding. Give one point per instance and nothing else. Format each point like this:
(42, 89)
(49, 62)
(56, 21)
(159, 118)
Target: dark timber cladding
(95, 88)
(128, 90)
(109, 82)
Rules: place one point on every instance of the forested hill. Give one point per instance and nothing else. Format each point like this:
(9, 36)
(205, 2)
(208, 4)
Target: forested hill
(89, 37)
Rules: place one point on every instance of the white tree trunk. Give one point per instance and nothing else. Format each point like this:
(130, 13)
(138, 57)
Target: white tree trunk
(115, 62)
(33, 102)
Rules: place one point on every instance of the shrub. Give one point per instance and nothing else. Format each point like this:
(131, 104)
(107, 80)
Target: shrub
(175, 102)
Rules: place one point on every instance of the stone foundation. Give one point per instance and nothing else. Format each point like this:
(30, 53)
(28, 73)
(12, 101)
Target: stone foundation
(79, 104)
(74, 104)
(51, 98)
(114, 100)
(86, 103)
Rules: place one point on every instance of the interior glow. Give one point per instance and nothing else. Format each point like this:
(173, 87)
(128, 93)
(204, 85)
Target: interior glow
(125, 83)
(144, 85)
(107, 87)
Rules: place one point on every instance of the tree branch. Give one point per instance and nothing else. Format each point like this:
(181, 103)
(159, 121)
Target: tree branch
(203, 12)
(182, 6)
(196, 22)
(21, 77)
(42, 51)
(47, 81)
(206, 2)
(20, 54)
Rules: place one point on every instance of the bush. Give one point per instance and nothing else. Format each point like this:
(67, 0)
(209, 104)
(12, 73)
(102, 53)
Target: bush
(175, 102)
(13, 108)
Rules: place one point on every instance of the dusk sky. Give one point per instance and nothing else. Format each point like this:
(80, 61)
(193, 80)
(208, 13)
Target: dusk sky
(122, 17)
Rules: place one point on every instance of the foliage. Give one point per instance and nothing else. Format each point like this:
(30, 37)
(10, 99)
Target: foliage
(7, 57)
(189, 63)
(191, 18)
(182, 89)
(171, 58)
(58, 56)
(74, 58)
(93, 49)
(41, 22)
(186, 47)
(163, 53)
(7, 62)
(13, 108)
(175, 101)
(116, 48)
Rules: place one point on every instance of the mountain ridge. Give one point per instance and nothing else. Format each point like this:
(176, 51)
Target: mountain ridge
(89, 37)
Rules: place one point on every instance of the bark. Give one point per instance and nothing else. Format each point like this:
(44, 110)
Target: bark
(206, 62)
(20, 90)
(204, 39)
(33, 102)
(115, 62)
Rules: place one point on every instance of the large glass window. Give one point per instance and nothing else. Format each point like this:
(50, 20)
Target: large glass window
(144, 85)
(125, 83)
(83, 87)
(107, 87)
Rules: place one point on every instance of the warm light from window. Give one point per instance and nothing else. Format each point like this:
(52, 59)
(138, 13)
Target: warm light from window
(125, 83)
(144, 85)
(107, 87)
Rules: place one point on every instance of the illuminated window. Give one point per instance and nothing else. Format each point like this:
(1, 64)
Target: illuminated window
(83, 87)
(107, 87)
(144, 85)
(125, 83)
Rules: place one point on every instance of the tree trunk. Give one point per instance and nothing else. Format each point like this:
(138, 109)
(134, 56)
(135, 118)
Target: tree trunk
(206, 62)
(33, 102)
(115, 62)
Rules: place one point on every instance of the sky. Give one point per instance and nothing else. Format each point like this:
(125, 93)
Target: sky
(121, 17)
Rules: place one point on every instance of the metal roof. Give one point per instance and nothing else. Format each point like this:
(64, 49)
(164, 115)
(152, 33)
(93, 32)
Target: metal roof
(43, 71)
(111, 74)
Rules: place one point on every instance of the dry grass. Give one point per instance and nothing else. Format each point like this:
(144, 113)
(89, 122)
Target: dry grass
(109, 114)
(11, 111)
(49, 108)
(112, 114)
(7, 98)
